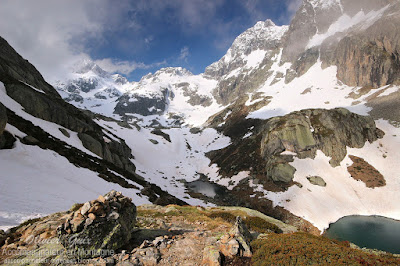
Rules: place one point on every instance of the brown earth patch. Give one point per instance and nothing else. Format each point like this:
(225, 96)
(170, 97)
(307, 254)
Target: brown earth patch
(360, 170)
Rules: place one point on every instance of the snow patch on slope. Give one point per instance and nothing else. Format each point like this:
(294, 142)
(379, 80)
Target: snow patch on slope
(28, 173)
(344, 23)
(325, 92)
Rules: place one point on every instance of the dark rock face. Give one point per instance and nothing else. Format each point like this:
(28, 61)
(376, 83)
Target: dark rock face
(3, 118)
(365, 56)
(84, 85)
(49, 106)
(143, 105)
(371, 57)
(300, 30)
(99, 226)
(298, 134)
(13, 66)
(3, 122)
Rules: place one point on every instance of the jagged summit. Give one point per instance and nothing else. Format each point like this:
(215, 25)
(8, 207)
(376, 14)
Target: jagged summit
(324, 4)
(86, 65)
(263, 36)
(169, 71)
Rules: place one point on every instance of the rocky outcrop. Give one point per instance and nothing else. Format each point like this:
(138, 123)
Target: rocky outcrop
(3, 118)
(265, 35)
(234, 77)
(317, 181)
(99, 226)
(43, 102)
(138, 104)
(371, 57)
(13, 66)
(274, 142)
(237, 241)
(6, 139)
(366, 54)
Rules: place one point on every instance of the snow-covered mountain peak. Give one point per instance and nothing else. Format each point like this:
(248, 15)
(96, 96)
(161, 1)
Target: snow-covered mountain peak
(119, 79)
(324, 4)
(165, 72)
(263, 36)
(260, 36)
(86, 66)
(173, 71)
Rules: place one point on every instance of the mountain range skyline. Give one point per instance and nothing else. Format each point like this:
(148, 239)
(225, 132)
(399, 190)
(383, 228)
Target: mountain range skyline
(132, 38)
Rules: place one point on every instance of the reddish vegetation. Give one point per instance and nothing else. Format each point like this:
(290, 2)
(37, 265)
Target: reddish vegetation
(306, 249)
(361, 170)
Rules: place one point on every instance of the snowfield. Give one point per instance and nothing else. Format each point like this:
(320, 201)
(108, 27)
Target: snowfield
(36, 182)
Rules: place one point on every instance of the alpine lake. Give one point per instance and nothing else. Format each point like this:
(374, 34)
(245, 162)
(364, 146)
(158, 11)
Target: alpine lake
(372, 232)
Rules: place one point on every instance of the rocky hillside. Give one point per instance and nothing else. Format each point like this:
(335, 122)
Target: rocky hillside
(37, 124)
(111, 230)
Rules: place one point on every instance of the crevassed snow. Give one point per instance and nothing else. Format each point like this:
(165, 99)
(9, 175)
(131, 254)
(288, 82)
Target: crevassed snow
(346, 22)
(343, 195)
(36, 182)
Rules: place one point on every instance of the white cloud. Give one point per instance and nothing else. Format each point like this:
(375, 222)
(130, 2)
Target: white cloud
(42, 31)
(125, 67)
(292, 7)
(184, 54)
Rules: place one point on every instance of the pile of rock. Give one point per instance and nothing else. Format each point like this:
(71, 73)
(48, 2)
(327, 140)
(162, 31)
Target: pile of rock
(100, 226)
(236, 243)
(149, 252)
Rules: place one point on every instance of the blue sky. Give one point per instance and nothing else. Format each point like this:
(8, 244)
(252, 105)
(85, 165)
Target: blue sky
(132, 37)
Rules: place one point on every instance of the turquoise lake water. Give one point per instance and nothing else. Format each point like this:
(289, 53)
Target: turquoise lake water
(374, 232)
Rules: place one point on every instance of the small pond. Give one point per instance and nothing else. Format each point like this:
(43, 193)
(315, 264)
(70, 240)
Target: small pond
(373, 232)
(203, 187)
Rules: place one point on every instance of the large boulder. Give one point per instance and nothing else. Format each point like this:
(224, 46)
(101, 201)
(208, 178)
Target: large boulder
(274, 143)
(99, 227)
